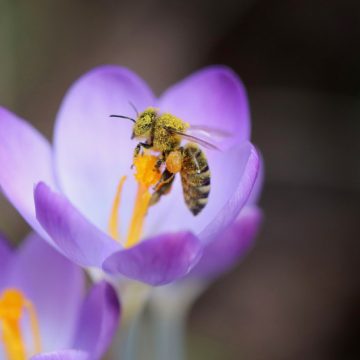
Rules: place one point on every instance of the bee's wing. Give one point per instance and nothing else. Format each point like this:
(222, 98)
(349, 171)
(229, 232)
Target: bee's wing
(203, 131)
(194, 139)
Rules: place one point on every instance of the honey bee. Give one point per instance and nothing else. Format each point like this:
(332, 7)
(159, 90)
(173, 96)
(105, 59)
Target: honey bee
(163, 133)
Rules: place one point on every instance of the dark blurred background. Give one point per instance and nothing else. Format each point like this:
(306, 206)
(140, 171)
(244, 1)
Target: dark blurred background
(296, 296)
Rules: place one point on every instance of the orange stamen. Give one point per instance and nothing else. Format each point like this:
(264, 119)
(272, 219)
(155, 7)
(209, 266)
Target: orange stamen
(113, 226)
(137, 221)
(35, 329)
(12, 306)
(146, 176)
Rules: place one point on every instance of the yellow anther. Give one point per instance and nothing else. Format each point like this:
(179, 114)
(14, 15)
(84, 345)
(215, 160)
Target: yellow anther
(146, 172)
(113, 226)
(12, 306)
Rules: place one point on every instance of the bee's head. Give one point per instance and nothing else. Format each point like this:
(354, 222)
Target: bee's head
(144, 124)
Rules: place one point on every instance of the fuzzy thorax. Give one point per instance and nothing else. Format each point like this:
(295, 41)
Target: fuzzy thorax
(164, 139)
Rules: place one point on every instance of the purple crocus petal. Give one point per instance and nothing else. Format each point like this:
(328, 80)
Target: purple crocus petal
(159, 260)
(93, 150)
(259, 183)
(53, 284)
(98, 321)
(5, 252)
(227, 249)
(6, 256)
(62, 355)
(243, 165)
(75, 236)
(25, 159)
(233, 175)
(214, 97)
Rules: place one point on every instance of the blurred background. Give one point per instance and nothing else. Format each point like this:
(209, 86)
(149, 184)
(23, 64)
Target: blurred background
(296, 296)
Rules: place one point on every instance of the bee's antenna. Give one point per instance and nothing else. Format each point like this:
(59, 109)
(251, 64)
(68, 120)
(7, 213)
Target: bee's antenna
(123, 117)
(134, 108)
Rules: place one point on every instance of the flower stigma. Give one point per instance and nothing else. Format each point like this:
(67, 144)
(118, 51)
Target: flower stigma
(13, 304)
(146, 176)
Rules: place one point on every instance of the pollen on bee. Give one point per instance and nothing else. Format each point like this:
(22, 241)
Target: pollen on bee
(174, 162)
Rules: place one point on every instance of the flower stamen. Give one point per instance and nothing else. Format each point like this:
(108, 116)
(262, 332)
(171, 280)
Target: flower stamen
(12, 306)
(113, 226)
(146, 175)
(137, 221)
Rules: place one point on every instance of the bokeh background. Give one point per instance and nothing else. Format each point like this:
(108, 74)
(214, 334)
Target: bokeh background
(296, 296)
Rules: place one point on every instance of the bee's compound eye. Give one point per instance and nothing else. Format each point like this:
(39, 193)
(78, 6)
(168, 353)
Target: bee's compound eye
(174, 162)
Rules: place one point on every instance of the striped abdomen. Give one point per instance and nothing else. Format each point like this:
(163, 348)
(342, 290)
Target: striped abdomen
(195, 178)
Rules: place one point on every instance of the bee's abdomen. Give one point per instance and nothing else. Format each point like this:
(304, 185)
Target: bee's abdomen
(195, 178)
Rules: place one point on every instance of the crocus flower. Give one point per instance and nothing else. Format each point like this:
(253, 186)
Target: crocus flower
(80, 195)
(43, 310)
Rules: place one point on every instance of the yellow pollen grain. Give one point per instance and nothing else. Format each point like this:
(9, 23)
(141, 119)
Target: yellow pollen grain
(12, 306)
(146, 173)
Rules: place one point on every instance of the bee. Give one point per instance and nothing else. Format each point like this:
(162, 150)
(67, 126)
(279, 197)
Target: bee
(163, 133)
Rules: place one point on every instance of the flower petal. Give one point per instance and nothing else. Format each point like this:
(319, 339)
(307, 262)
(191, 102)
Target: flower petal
(233, 175)
(5, 252)
(259, 183)
(243, 166)
(6, 256)
(92, 150)
(76, 237)
(62, 355)
(53, 284)
(214, 97)
(159, 260)
(227, 249)
(25, 159)
(98, 321)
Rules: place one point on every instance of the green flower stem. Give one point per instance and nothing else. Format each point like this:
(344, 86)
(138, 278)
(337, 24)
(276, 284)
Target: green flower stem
(169, 308)
(170, 333)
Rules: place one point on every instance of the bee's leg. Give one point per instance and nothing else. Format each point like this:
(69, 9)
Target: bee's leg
(163, 187)
(138, 149)
(160, 161)
(146, 145)
(139, 146)
(166, 178)
(136, 153)
(158, 164)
